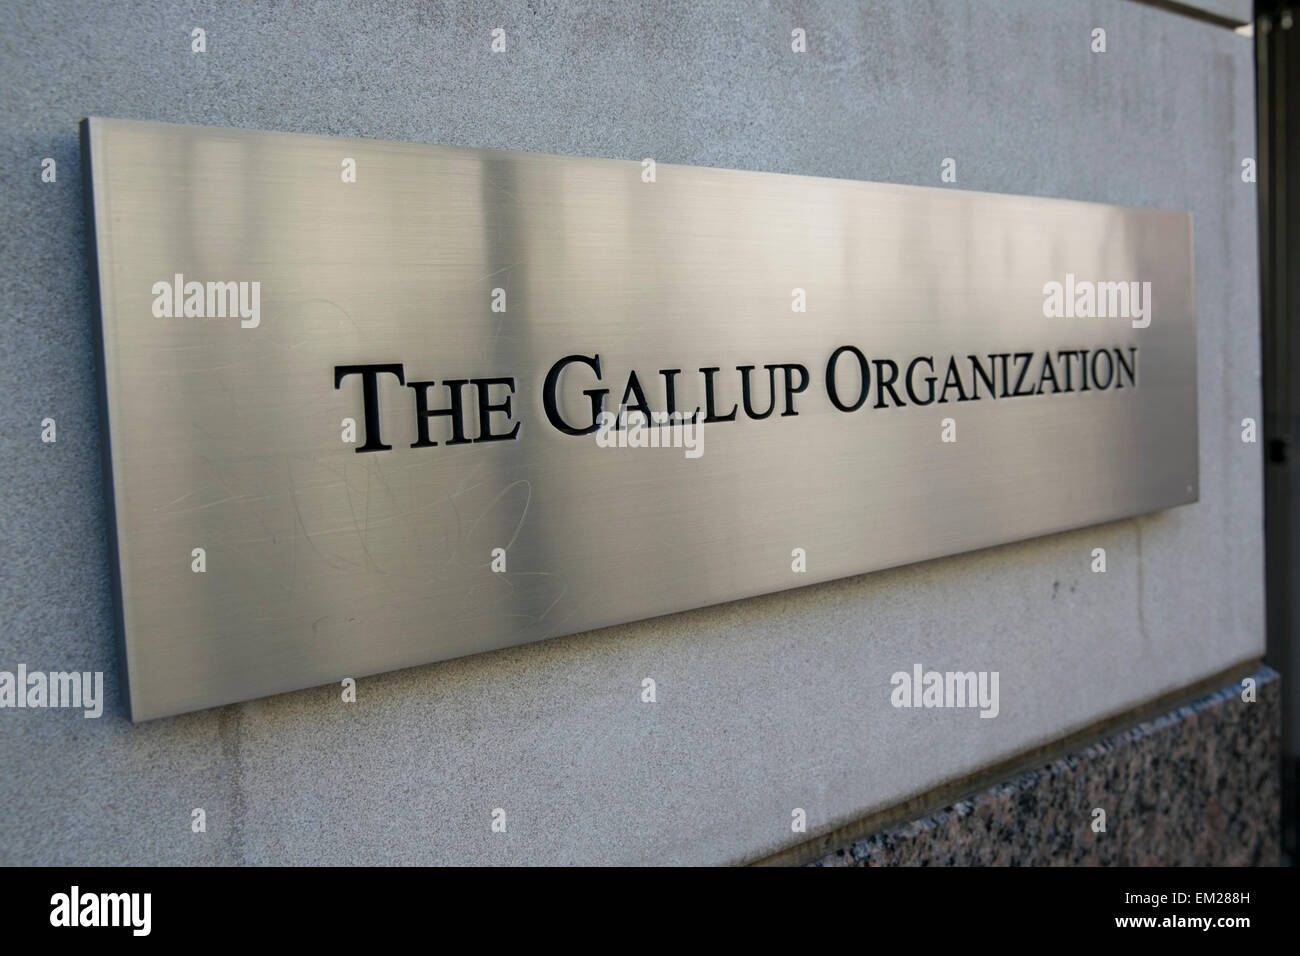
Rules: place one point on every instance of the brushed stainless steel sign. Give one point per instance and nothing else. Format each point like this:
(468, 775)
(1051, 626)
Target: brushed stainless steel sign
(358, 395)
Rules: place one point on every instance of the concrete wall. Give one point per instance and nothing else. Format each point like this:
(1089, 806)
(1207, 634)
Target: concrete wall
(764, 705)
(1234, 11)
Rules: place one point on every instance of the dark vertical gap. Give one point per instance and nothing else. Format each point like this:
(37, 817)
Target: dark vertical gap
(1277, 60)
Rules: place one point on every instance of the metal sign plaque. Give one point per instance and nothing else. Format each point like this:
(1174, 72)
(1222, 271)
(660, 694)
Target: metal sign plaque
(371, 405)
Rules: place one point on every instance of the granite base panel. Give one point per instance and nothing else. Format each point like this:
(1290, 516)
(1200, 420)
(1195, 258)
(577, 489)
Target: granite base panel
(1197, 786)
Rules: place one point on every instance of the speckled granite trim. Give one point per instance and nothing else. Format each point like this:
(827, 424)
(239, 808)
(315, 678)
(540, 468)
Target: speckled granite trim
(1197, 786)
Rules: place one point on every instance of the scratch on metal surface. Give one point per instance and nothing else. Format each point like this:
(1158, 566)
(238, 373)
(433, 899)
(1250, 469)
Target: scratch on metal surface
(522, 517)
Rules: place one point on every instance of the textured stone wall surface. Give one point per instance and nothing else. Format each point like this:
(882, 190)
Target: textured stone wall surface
(1197, 786)
(765, 705)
